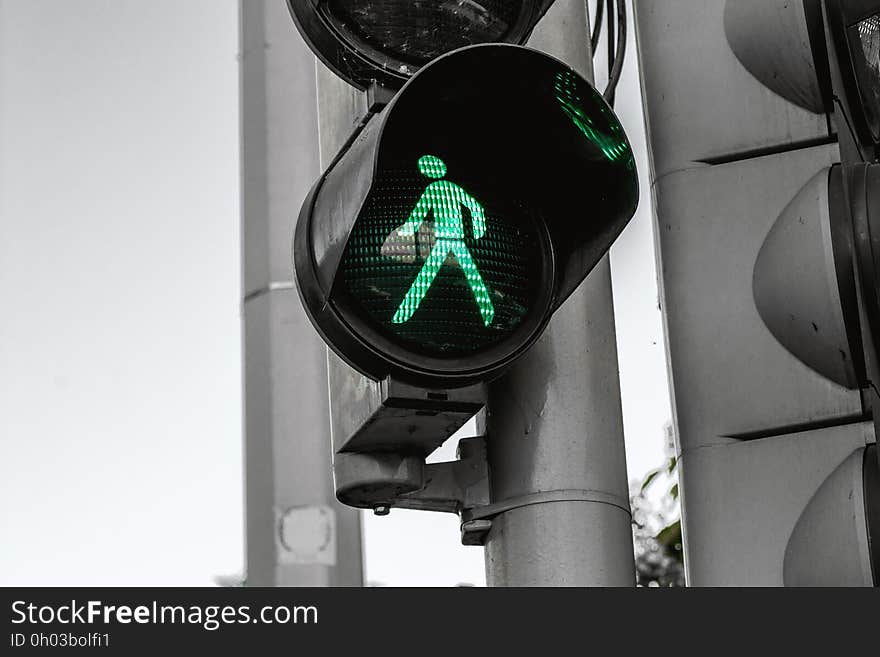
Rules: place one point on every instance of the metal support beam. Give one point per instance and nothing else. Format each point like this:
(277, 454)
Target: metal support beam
(556, 451)
(297, 533)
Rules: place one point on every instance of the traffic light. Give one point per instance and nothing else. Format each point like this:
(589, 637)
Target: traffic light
(764, 143)
(387, 41)
(481, 186)
(437, 245)
(814, 283)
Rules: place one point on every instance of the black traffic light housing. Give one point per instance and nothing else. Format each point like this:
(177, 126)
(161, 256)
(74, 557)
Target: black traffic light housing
(387, 41)
(549, 163)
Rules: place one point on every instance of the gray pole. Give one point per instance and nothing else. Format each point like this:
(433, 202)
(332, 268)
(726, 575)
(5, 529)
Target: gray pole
(556, 451)
(297, 534)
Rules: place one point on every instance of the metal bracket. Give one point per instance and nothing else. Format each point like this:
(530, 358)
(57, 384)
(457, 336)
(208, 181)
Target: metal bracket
(453, 486)
(382, 480)
(461, 487)
(385, 480)
(378, 96)
(391, 416)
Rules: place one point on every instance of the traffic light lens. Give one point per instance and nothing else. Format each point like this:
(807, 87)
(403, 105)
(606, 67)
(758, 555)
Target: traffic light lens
(417, 32)
(441, 264)
(609, 138)
(864, 39)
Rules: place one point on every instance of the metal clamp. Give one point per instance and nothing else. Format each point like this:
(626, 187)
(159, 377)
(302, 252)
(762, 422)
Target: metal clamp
(477, 521)
(453, 486)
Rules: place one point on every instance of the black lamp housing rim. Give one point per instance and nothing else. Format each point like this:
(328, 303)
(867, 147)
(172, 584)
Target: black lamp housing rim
(359, 63)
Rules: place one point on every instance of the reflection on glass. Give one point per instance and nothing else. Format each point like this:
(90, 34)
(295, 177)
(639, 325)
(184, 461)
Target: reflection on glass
(417, 31)
(569, 94)
(864, 39)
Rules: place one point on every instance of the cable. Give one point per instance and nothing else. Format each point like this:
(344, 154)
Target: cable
(852, 134)
(619, 53)
(597, 25)
(609, 23)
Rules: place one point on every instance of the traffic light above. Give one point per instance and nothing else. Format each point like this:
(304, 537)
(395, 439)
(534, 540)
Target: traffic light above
(439, 242)
(389, 40)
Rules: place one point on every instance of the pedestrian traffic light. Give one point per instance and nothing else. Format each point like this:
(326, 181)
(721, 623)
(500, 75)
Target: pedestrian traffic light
(388, 40)
(440, 240)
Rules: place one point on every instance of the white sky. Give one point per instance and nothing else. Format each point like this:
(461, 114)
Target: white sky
(120, 375)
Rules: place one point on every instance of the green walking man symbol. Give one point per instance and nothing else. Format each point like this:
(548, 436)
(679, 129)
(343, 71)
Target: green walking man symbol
(444, 199)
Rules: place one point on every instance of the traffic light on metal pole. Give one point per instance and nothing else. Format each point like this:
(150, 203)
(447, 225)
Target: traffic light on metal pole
(784, 200)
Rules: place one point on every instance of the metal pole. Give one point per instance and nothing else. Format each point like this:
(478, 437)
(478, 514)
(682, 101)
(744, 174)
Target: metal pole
(555, 427)
(297, 534)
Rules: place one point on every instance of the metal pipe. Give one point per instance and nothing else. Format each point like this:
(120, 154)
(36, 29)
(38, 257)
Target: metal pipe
(555, 426)
(297, 534)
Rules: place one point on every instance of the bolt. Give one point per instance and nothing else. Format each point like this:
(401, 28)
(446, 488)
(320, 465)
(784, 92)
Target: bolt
(381, 509)
(474, 532)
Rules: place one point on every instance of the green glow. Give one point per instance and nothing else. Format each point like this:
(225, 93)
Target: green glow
(432, 166)
(444, 200)
(384, 257)
(568, 94)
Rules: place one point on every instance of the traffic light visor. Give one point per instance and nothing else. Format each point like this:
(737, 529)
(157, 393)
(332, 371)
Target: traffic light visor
(417, 32)
(389, 40)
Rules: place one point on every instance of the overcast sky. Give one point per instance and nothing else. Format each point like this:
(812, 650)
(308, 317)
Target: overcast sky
(120, 344)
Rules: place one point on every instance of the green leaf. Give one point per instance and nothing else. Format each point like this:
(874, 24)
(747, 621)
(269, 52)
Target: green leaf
(647, 481)
(670, 535)
(674, 491)
(672, 463)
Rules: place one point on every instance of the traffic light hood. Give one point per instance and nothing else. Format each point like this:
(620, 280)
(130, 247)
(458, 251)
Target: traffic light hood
(495, 160)
(817, 275)
(836, 540)
(804, 281)
(389, 40)
(823, 55)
